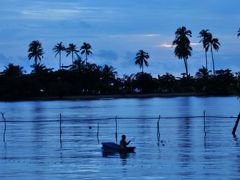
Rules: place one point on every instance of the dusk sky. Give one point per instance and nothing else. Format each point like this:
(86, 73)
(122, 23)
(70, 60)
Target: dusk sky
(118, 29)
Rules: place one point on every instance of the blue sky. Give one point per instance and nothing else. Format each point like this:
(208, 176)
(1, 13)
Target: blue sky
(118, 29)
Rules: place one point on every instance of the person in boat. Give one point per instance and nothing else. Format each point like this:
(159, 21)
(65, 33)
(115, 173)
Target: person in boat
(123, 142)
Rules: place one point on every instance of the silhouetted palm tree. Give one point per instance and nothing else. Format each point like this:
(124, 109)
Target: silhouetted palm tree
(108, 72)
(205, 35)
(238, 34)
(78, 65)
(72, 49)
(202, 72)
(13, 71)
(141, 59)
(214, 45)
(35, 51)
(40, 69)
(58, 49)
(182, 45)
(86, 49)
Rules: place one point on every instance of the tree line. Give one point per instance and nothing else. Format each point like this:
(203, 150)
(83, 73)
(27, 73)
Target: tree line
(84, 78)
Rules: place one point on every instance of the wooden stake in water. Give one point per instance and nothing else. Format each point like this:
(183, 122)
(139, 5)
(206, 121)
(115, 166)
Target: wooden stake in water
(158, 129)
(5, 127)
(235, 126)
(98, 132)
(116, 129)
(204, 128)
(204, 122)
(60, 129)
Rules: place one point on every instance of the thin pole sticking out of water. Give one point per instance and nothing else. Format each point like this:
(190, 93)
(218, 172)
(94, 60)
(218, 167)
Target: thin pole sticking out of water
(98, 132)
(5, 127)
(116, 129)
(204, 127)
(235, 126)
(204, 123)
(158, 129)
(60, 129)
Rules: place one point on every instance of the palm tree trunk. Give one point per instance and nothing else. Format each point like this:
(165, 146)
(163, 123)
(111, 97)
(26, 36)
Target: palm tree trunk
(86, 59)
(213, 61)
(35, 60)
(206, 60)
(60, 61)
(186, 66)
(72, 58)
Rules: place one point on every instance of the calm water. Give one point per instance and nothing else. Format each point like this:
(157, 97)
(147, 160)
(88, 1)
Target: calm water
(33, 149)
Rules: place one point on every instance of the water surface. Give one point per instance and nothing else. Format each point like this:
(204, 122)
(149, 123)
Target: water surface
(182, 148)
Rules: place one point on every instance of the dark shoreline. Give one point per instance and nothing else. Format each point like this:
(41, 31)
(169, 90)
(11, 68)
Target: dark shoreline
(113, 96)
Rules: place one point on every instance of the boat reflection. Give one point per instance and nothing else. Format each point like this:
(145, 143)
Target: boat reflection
(122, 155)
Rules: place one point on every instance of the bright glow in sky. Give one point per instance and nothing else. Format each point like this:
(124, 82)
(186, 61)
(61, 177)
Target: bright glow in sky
(118, 29)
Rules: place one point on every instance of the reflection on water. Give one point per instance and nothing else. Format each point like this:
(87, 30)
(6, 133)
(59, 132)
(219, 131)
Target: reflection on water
(179, 148)
(123, 156)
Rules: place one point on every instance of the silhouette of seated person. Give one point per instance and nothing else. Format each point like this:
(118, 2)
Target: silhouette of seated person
(123, 142)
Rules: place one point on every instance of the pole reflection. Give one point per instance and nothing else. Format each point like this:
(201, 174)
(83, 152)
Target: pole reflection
(185, 138)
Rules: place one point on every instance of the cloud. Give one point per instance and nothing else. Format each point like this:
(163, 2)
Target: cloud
(165, 45)
(48, 11)
(195, 44)
(168, 45)
(127, 36)
(48, 14)
(107, 55)
(56, 13)
(151, 35)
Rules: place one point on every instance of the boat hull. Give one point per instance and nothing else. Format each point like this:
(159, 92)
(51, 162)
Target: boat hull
(113, 147)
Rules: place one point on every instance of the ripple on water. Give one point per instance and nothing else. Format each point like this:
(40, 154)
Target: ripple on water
(179, 150)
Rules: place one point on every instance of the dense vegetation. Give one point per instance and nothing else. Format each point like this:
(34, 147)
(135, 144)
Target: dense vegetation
(84, 78)
(90, 79)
